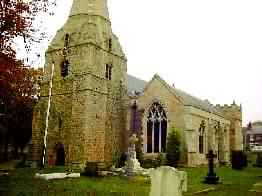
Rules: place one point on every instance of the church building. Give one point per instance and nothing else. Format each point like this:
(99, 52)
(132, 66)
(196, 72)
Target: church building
(96, 105)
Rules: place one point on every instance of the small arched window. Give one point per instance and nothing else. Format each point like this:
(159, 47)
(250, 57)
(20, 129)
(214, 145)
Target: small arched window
(66, 40)
(110, 44)
(64, 68)
(108, 72)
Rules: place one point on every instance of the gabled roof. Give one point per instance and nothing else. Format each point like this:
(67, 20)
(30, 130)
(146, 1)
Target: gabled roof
(137, 86)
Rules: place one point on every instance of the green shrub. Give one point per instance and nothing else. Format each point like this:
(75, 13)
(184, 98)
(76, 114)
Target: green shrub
(173, 148)
(122, 160)
(116, 156)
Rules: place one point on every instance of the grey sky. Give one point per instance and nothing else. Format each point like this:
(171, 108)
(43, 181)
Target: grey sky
(210, 49)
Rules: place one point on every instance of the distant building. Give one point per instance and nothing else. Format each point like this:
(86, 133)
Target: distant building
(253, 134)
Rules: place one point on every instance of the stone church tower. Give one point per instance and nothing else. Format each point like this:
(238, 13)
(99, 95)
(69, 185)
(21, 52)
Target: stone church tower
(87, 115)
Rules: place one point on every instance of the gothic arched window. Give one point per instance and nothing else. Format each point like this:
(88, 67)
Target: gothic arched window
(156, 129)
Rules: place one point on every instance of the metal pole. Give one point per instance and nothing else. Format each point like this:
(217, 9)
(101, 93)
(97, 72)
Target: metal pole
(47, 113)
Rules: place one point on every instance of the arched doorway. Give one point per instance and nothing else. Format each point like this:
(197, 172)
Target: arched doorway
(60, 154)
(156, 129)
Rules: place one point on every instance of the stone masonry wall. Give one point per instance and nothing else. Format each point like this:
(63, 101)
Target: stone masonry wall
(86, 111)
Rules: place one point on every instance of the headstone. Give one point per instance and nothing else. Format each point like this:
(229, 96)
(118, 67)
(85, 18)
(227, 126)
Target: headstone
(211, 177)
(238, 159)
(167, 181)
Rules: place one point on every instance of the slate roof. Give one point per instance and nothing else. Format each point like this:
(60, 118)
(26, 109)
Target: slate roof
(136, 86)
(190, 100)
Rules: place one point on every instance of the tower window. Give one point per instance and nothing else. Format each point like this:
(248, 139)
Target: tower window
(60, 123)
(108, 73)
(110, 44)
(66, 40)
(64, 68)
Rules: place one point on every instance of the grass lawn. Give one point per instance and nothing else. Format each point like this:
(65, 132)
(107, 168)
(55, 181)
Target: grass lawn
(234, 183)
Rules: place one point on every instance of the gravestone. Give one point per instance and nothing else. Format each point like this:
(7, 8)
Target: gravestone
(238, 159)
(211, 177)
(167, 181)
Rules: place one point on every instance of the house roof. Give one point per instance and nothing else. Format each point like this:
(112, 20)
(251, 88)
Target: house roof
(256, 128)
(136, 86)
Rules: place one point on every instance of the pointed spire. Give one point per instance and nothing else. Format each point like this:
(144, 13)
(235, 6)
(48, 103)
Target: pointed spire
(90, 7)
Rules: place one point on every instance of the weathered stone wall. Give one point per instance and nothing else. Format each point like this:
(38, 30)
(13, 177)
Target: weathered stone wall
(214, 138)
(233, 113)
(87, 109)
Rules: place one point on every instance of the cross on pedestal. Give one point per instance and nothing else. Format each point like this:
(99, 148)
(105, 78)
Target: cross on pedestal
(211, 177)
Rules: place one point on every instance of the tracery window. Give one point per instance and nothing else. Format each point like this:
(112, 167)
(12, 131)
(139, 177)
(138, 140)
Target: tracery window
(156, 129)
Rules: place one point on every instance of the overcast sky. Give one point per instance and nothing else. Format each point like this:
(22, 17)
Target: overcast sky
(210, 49)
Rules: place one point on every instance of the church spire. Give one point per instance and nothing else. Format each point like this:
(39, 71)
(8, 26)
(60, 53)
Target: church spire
(90, 7)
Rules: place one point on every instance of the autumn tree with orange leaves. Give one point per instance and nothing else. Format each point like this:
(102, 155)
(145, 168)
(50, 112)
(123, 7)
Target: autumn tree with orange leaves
(18, 81)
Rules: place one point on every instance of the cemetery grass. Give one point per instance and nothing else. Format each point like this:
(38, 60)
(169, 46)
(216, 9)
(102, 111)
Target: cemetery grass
(22, 182)
(234, 183)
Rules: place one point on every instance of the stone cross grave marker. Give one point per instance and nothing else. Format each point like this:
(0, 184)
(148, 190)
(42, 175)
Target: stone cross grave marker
(211, 177)
(132, 165)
